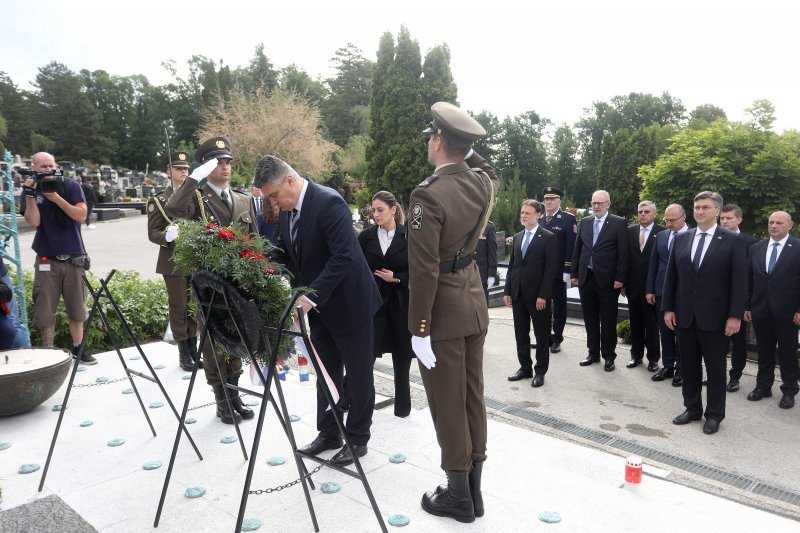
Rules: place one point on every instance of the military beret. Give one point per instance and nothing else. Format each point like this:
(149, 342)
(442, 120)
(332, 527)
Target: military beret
(215, 147)
(450, 121)
(179, 159)
(552, 192)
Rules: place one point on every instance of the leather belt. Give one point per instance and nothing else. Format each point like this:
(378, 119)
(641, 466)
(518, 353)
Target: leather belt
(447, 267)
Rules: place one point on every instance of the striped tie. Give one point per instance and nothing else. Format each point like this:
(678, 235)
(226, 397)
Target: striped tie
(293, 225)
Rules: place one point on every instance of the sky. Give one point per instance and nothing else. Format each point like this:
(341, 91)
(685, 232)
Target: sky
(507, 57)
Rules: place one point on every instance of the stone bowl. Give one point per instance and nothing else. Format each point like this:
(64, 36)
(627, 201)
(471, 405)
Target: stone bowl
(29, 377)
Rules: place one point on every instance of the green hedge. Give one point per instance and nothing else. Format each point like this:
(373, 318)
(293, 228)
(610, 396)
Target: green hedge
(143, 303)
(624, 331)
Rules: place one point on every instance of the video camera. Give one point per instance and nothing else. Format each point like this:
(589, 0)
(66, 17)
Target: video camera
(45, 185)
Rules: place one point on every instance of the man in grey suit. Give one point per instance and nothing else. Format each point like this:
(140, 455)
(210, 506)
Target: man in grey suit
(705, 291)
(774, 308)
(600, 269)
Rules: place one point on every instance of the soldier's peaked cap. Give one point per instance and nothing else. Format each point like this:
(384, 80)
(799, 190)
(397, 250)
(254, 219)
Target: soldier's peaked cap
(215, 147)
(450, 121)
(179, 159)
(552, 192)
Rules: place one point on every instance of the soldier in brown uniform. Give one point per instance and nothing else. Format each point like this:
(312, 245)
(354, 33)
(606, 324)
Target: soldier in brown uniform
(181, 321)
(448, 317)
(215, 203)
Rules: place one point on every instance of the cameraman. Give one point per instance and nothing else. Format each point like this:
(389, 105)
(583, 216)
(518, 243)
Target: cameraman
(61, 257)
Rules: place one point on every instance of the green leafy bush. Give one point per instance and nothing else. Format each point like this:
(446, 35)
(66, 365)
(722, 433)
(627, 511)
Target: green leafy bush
(624, 331)
(143, 303)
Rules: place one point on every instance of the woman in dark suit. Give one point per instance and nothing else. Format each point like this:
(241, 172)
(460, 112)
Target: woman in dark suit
(384, 247)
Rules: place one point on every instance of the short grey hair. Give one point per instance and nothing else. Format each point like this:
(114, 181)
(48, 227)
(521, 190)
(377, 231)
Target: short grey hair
(647, 202)
(603, 192)
(272, 170)
(679, 206)
(710, 195)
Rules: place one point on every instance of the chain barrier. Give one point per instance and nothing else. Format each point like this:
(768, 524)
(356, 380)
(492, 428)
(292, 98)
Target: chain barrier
(259, 492)
(98, 383)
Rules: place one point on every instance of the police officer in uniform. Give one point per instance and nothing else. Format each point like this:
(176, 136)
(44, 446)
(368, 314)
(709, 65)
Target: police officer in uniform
(181, 321)
(564, 226)
(448, 316)
(216, 203)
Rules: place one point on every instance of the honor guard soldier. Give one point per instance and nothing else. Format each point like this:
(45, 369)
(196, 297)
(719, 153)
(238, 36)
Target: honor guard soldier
(564, 226)
(216, 203)
(182, 321)
(448, 316)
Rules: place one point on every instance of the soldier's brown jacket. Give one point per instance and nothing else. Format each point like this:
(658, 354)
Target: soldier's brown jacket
(184, 204)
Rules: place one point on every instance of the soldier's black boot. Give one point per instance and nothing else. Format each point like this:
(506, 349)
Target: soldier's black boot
(236, 401)
(184, 356)
(454, 502)
(475, 487)
(192, 343)
(223, 412)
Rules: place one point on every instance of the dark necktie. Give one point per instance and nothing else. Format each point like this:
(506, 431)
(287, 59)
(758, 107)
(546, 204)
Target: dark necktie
(699, 252)
(671, 240)
(227, 201)
(773, 258)
(257, 206)
(293, 227)
(547, 219)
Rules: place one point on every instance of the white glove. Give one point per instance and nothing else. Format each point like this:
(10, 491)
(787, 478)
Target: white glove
(490, 281)
(423, 350)
(567, 279)
(172, 233)
(204, 170)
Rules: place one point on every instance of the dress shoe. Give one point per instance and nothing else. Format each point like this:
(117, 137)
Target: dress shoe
(733, 385)
(663, 374)
(520, 374)
(344, 457)
(711, 426)
(633, 363)
(686, 417)
(757, 394)
(322, 443)
(555, 348)
(652, 366)
(589, 360)
(677, 381)
(608, 366)
(538, 380)
(787, 402)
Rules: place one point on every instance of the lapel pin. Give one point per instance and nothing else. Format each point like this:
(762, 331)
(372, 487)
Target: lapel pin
(719, 237)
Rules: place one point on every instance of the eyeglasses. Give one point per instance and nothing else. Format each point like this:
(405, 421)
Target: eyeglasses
(599, 203)
(673, 219)
(704, 207)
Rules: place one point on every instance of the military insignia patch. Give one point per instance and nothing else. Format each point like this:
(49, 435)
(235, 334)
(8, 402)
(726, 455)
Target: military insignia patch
(416, 216)
(220, 144)
(151, 208)
(182, 157)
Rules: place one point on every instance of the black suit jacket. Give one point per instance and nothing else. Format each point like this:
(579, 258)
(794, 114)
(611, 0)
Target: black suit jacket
(659, 259)
(639, 260)
(776, 296)
(717, 291)
(609, 254)
(329, 260)
(531, 277)
(486, 254)
(748, 241)
(396, 260)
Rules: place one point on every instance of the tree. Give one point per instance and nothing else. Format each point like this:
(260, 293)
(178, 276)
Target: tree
(353, 158)
(523, 149)
(344, 112)
(564, 163)
(378, 148)
(505, 214)
(260, 73)
(708, 113)
(755, 169)
(297, 80)
(763, 113)
(280, 123)
(18, 107)
(437, 79)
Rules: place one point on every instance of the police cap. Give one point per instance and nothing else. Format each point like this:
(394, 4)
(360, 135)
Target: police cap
(215, 147)
(179, 160)
(450, 121)
(552, 192)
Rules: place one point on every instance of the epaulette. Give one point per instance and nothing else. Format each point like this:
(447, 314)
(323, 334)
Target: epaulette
(427, 181)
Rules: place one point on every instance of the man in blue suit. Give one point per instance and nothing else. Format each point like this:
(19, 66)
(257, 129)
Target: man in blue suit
(675, 222)
(774, 308)
(317, 243)
(705, 291)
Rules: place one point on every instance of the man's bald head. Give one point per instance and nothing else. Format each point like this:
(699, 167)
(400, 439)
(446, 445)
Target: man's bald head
(780, 224)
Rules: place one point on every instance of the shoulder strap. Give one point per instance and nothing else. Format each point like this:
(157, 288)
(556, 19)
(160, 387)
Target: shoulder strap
(201, 205)
(483, 220)
(160, 209)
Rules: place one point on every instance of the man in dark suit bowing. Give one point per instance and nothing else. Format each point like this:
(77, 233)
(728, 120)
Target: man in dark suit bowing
(533, 265)
(705, 291)
(730, 219)
(644, 325)
(774, 308)
(675, 221)
(600, 269)
(317, 242)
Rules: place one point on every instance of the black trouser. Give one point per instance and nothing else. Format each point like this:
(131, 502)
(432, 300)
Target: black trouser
(738, 346)
(559, 307)
(699, 345)
(600, 317)
(783, 333)
(670, 351)
(351, 351)
(525, 313)
(89, 208)
(644, 329)
(402, 387)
